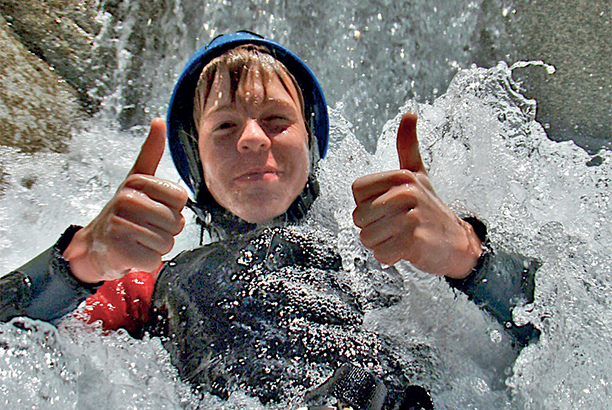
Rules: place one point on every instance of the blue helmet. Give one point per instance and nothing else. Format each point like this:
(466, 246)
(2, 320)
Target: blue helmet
(180, 122)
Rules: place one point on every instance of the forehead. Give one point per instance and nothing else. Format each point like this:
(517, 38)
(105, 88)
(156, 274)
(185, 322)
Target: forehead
(254, 86)
(228, 76)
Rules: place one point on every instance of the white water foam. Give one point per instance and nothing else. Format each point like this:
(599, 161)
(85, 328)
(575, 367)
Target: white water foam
(485, 153)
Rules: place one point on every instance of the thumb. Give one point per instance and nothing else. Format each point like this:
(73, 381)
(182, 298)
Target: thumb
(408, 144)
(152, 149)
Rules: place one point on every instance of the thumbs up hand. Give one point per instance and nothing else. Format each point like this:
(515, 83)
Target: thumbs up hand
(137, 226)
(401, 217)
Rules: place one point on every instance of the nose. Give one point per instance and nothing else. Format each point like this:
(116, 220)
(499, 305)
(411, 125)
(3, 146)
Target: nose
(253, 138)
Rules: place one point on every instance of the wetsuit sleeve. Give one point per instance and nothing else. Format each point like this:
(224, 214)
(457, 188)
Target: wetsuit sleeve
(500, 282)
(123, 303)
(44, 288)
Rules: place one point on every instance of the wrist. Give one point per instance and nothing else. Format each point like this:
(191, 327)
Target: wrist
(80, 257)
(470, 253)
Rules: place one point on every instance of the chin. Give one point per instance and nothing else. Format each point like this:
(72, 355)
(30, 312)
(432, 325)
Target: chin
(259, 218)
(261, 207)
(260, 214)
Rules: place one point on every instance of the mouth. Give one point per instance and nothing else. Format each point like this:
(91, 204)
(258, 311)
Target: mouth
(259, 174)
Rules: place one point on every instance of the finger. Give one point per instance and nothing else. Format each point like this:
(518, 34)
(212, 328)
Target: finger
(371, 186)
(152, 149)
(386, 228)
(138, 246)
(387, 252)
(372, 236)
(157, 240)
(139, 208)
(127, 247)
(165, 192)
(408, 144)
(398, 200)
(143, 240)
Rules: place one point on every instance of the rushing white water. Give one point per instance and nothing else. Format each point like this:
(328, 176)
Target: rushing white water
(485, 153)
(540, 198)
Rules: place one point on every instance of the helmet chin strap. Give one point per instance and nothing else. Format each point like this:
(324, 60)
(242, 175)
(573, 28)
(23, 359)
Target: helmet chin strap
(221, 223)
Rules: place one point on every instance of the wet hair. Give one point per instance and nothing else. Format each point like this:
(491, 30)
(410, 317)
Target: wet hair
(239, 62)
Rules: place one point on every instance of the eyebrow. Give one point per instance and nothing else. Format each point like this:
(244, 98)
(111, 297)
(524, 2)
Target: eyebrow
(267, 101)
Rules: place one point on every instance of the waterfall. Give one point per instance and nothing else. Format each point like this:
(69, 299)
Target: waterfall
(485, 151)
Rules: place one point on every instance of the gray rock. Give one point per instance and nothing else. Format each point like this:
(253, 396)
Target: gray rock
(61, 33)
(573, 35)
(37, 108)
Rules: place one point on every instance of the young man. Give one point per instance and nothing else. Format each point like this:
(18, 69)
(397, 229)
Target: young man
(266, 307)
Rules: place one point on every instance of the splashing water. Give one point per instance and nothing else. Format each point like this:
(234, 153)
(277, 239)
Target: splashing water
(79, 368)
(485, 153)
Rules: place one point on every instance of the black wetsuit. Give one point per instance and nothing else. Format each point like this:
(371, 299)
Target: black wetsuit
(44, 288)
(272, 311)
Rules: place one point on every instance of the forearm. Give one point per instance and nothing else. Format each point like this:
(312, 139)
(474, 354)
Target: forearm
(500, 282)
(44, 288)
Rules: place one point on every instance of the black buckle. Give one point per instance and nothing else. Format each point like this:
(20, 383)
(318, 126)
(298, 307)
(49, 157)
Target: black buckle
(349, 388)
(352, 388)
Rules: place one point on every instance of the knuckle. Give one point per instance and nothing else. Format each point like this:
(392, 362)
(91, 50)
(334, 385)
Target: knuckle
(404, 176)
(116, 227)
(419, 236)
(135, 181)
(357, 185)
(366, 239)
(182, 195)
(361, 185)
(405, 192)
(127, 199)
(357, 217)
(167, 245)
(384, 258)
(411, 219)
(177, 190)
(180, 224)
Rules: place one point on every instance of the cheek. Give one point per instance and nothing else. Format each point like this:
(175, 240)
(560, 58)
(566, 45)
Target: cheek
(213, 152)
(212, 166)
(216, 182)
(299, 158)
(304, 155)
(296, 145)
(305, 160)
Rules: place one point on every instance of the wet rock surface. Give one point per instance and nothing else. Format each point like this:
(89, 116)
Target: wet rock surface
(61, 33)
(574, 36)
(38, 109)
(112, 47)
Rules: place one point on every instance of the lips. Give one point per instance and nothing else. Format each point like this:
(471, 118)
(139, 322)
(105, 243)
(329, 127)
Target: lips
(259, 174)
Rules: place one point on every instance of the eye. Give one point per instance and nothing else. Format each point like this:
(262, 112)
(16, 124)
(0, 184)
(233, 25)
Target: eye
(225, 126)
(276, 118)
(275, 124)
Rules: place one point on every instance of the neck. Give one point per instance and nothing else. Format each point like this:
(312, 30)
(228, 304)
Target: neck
(220, 224)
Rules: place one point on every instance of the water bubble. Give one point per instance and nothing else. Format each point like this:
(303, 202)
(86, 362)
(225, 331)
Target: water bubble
(495, 336)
